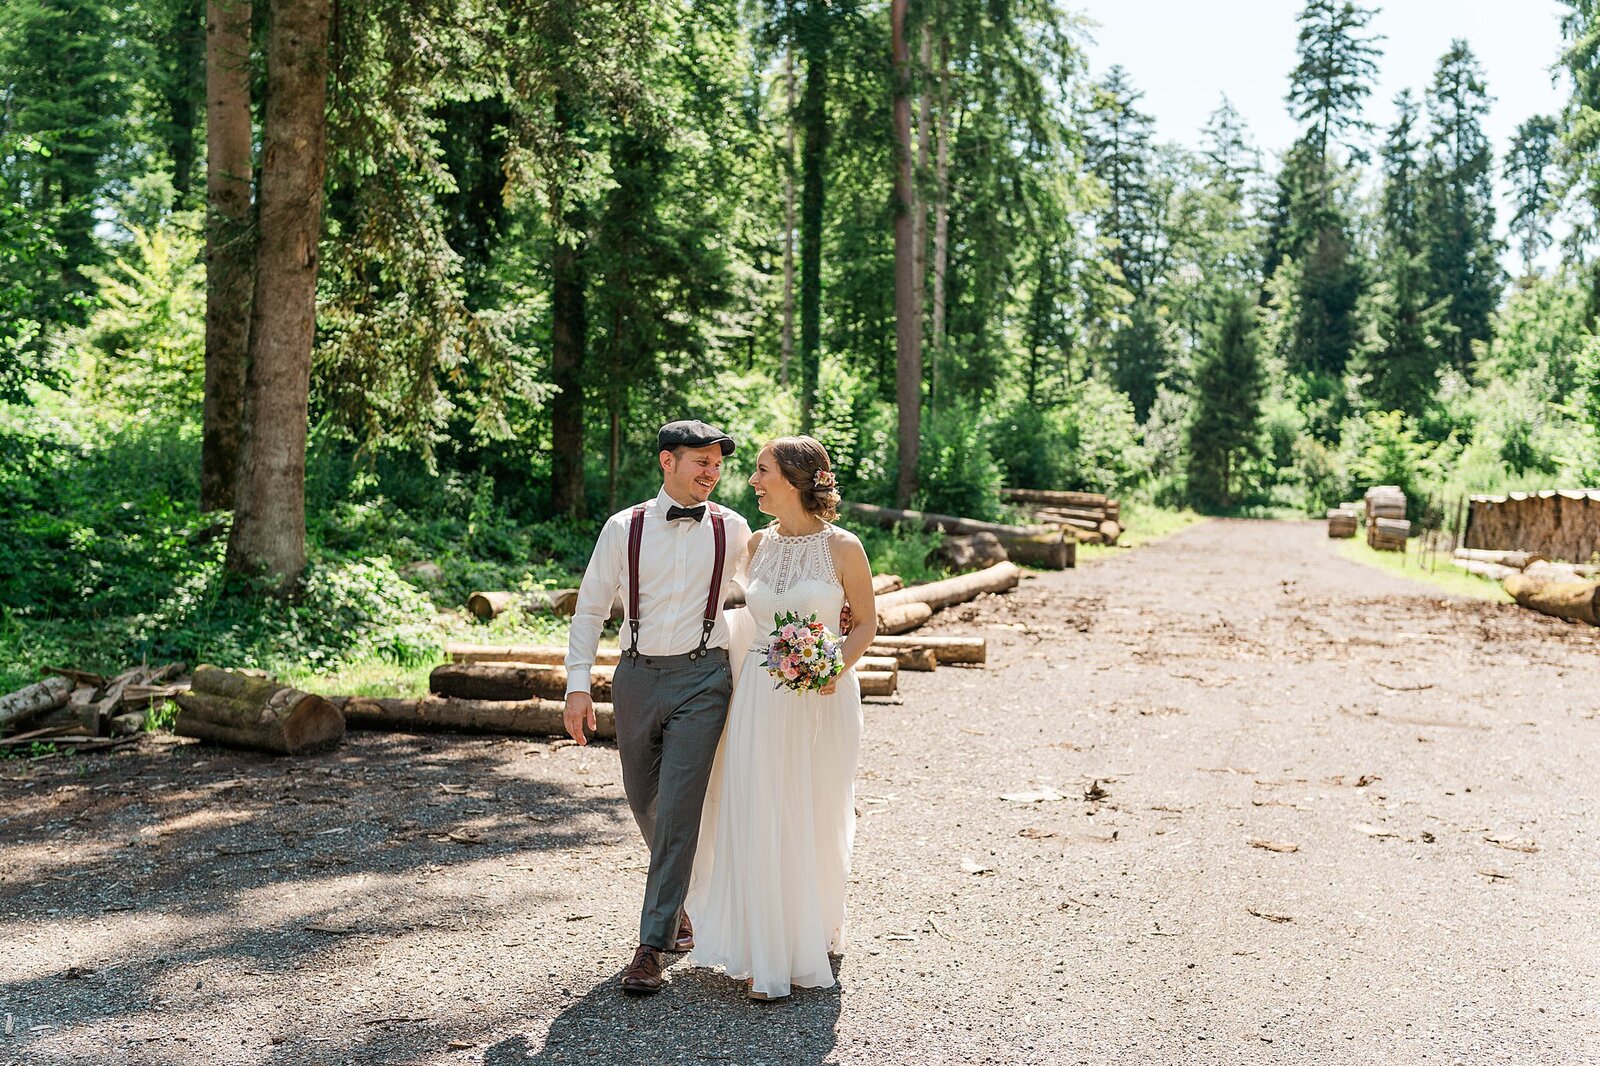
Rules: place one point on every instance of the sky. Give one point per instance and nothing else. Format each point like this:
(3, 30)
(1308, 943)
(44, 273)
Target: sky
(1186, 54)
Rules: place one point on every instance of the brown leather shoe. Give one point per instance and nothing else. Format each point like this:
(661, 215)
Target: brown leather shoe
(643, 975)
(685, 938)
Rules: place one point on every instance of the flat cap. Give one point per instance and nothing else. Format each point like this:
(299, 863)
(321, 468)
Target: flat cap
(692, 433)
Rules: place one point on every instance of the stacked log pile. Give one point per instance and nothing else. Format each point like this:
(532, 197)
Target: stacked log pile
(248, 709)
(1046, 546)
(1562, 524)
(1343, 521)
(1096, 518)
(1387, 528)
(88, 711)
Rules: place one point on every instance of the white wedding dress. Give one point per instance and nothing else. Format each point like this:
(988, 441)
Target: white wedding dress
(767, 894)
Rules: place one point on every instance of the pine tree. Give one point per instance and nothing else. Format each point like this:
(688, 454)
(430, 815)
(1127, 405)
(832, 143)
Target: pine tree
(1117, 141)
(1229, 384)
(1529, 169)
(1402, 352)
(1458, 203)
(1337, 65)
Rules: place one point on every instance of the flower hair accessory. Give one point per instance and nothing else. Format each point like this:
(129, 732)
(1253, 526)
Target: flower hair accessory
(825, 479)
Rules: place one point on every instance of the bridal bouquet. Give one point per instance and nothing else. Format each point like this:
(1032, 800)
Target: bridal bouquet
(804, 655)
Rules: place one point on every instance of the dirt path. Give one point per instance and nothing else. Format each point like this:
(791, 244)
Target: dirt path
(1433, 760)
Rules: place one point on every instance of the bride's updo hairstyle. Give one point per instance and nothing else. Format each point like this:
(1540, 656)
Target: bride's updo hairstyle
(804, 464)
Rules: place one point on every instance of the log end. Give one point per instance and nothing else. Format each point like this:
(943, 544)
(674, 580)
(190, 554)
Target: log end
(313, 726)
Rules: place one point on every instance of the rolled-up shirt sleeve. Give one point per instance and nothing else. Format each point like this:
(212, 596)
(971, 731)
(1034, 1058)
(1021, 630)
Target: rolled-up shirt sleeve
(596, 593)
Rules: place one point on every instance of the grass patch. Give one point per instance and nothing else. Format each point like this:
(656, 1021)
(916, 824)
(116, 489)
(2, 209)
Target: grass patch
(1440, 572)
(1142, 524)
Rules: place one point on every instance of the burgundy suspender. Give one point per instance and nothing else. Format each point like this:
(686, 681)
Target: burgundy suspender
(713, 597)
(719, 534)
(635, 539)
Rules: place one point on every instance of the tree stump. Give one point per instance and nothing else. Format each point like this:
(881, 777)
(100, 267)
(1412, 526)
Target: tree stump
(243, 710)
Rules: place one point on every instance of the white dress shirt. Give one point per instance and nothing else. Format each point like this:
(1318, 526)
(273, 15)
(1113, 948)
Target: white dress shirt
(675, 564)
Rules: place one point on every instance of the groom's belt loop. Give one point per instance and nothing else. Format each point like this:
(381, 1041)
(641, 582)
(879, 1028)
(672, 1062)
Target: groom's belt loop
(719, 534)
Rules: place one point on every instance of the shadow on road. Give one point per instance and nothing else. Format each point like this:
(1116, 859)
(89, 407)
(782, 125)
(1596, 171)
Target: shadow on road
(702, 1016)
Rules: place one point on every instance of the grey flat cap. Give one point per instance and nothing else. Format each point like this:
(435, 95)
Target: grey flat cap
(692, 434)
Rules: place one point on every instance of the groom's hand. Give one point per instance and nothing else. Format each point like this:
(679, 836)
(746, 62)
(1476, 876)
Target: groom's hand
(844, 620)
(579, 712)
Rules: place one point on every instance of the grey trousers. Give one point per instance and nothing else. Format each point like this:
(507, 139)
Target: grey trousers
(670, 712)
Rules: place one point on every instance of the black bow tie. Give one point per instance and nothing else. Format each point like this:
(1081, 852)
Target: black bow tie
(675, 512)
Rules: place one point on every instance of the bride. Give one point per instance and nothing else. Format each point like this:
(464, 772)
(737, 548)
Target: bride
(768, 888)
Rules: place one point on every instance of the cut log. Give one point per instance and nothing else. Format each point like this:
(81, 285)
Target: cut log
(1517, 560)
(1388, 534)
(975, 551)
(1055, 498)
(37, 698)
(1492, 571)
(902, 617)
(919, 659)
(528, 718)
(534, 681)
(877, 682)
(882, 583)
(952, 649)
(1341, 525)
(248, 710)
(1576, 601)
(1545, 570)
(1052, 549)
(888, 518)
(513, 681)
(520, 653)
(1110, 531)
(486, 605)
(1093, 515)
(953, 590)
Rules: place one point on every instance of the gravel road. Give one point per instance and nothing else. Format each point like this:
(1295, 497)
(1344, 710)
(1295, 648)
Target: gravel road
(1284, 809)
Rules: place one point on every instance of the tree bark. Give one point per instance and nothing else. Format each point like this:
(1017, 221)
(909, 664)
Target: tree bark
(975, 551)
(902, 618)
(512, 681)
(907, 296)
(973, 650)
(229, 249)
(249, 711)
(787, 339)
(269, 525)
(814, 118)
(528, 718)
(1516, 560)
(941, 221)
(1038, 545)
(1001, 577)
(1576, 601)
(38, 698)
(568, 329)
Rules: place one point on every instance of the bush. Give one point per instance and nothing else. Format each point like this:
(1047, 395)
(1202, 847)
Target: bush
(1090, 442)
(957, 473)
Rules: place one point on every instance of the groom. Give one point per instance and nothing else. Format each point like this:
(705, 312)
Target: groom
(672, 559)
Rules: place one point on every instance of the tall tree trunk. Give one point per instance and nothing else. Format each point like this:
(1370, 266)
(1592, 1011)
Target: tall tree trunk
(788, 222)
(814, 118)
(269, 525)
(919, 228)
(229, 275)
(907, 296)
(183, 96)
(568, 343)
(941, 220)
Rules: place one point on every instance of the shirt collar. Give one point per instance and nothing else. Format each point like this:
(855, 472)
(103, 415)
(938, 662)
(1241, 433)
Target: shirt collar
(664, 500)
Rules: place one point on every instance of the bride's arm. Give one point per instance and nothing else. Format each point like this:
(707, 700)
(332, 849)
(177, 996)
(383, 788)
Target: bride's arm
(855, 574)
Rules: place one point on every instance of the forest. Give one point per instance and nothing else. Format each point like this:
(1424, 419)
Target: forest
(377, 303)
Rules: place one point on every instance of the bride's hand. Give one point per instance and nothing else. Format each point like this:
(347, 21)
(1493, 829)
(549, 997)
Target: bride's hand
(830, 688)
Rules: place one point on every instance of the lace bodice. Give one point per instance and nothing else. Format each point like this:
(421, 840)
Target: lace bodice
(793, 574)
